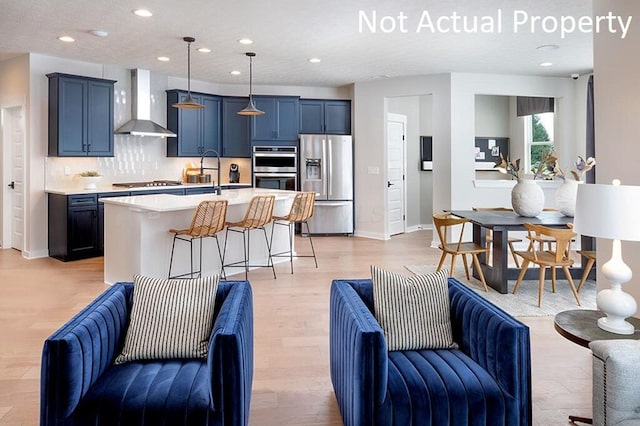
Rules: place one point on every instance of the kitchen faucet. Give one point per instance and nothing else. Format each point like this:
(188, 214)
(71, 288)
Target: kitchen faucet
(202, 168)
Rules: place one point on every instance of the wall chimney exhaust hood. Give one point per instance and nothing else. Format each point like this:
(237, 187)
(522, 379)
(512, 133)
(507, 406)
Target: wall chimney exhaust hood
(140, 123)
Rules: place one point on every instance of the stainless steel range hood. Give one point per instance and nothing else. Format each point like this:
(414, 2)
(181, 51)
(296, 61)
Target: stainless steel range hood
(140, 123)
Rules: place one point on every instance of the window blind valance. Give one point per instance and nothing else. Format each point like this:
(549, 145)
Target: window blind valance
(527, 105)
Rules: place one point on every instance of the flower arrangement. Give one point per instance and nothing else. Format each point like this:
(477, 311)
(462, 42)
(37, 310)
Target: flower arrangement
(547, 166)
(508, 167)
(543, 171)
(582, 167)
(89, 173)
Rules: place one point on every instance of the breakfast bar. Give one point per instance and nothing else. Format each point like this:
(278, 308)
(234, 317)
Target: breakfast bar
(137, 238)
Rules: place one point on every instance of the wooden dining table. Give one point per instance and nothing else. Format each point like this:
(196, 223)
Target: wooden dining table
(498, 273)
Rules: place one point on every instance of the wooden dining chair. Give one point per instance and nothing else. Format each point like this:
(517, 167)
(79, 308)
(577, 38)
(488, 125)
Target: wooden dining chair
(559, 255)
(489, 234)
(590, 255)
(446, 226)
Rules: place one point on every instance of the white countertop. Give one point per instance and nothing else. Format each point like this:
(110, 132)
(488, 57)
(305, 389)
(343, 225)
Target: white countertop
(103, 189)
(170, 202)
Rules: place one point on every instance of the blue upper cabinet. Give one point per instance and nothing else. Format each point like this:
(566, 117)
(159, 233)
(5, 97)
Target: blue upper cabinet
(80, 116)
(197, 130)
(279, 122)
(235, 128)
(325, 116)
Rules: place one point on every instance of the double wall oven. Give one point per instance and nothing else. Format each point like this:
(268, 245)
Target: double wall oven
(275, 167)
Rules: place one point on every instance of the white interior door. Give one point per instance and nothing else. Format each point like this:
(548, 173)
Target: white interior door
(396, 125)
(14, 137)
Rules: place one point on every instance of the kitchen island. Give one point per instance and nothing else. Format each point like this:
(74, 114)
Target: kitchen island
(137, 238)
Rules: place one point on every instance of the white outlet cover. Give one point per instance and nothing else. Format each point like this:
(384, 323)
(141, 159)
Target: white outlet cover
(373, 170)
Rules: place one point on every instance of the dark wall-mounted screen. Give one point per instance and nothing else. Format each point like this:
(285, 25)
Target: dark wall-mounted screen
(426, 152)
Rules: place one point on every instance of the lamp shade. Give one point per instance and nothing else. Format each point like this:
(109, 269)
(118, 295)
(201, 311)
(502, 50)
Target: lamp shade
(608, 211)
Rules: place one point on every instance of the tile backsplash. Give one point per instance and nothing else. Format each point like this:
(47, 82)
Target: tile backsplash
(135, 159)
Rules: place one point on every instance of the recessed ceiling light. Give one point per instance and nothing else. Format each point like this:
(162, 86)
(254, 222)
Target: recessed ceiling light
(547, 47)
(163, 58)
(546, 64)
(143, 12)
(314, 60)
(234, 72)
(380, 77)
(99, 33)
(204, 50)
(67, 39)
(245, 41)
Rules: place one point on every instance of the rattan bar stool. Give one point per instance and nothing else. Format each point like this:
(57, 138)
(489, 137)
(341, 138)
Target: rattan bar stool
(301, 211)
(259, 213)
(208, 219)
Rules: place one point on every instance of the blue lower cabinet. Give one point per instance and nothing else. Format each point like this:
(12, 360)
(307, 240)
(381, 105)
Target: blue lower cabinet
(199, 190)
(73, 226)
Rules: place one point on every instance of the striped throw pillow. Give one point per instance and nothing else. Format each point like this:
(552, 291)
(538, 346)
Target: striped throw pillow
(413, 311)
(170, 318)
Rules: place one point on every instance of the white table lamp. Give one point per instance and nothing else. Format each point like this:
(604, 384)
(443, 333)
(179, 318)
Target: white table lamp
(613, 212)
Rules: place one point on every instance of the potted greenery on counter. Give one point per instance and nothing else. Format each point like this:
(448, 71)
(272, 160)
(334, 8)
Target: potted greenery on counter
(90, 178)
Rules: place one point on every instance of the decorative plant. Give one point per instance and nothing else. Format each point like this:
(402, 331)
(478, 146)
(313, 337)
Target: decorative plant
(582, 167)
(547, 166)
(508, 167)
(89, 173)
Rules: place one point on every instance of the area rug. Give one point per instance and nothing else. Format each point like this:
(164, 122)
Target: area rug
(525, 302)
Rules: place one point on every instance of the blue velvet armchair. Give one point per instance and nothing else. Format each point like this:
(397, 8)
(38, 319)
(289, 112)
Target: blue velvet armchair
(486, 381)
(80, 385)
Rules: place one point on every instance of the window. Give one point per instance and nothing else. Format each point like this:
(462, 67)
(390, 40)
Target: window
(538, 137)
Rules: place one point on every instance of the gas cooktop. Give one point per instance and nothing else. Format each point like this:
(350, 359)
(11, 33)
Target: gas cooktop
(148, 184)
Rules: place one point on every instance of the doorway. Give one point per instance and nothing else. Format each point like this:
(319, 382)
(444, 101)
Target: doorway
(396, 164)
(12, 126)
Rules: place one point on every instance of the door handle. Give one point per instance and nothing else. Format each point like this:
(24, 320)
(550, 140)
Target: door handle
(12, 185)
(389, 184)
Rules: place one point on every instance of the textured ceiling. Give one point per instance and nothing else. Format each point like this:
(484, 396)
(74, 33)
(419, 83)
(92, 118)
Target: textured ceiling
(289, 32)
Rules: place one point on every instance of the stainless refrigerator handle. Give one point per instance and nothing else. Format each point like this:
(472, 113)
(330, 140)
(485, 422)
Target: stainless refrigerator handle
(324, 167)
(330, 174)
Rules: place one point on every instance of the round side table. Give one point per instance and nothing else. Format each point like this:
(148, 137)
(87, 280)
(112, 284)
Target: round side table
(581, 327)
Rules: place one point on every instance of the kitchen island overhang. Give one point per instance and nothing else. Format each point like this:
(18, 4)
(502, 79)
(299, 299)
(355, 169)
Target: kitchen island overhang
(137, 238)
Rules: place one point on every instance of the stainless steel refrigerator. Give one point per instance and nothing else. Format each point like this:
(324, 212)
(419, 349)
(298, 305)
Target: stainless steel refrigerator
(326, 167)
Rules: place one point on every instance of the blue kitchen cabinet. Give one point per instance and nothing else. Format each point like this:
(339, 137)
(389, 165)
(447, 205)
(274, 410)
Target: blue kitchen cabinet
(235, 128)
(279, 122)
(199, 190)
(80, 116)
(73, 226)
(197, 130)
(319, 116)
(161, 190)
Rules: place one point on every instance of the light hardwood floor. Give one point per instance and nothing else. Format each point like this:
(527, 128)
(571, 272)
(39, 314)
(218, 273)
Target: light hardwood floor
(291, 381)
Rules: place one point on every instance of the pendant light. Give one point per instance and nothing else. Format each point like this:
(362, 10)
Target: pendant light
(250, 109)
(188, 102)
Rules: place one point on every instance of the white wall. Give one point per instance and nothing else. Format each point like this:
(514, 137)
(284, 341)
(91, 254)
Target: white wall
(492, 116)
(617, 119)
(14, 90)
(426, 176)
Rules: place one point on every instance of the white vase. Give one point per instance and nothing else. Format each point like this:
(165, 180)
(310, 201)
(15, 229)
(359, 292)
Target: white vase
(527, 198)
(90, 182)
(566, 197)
